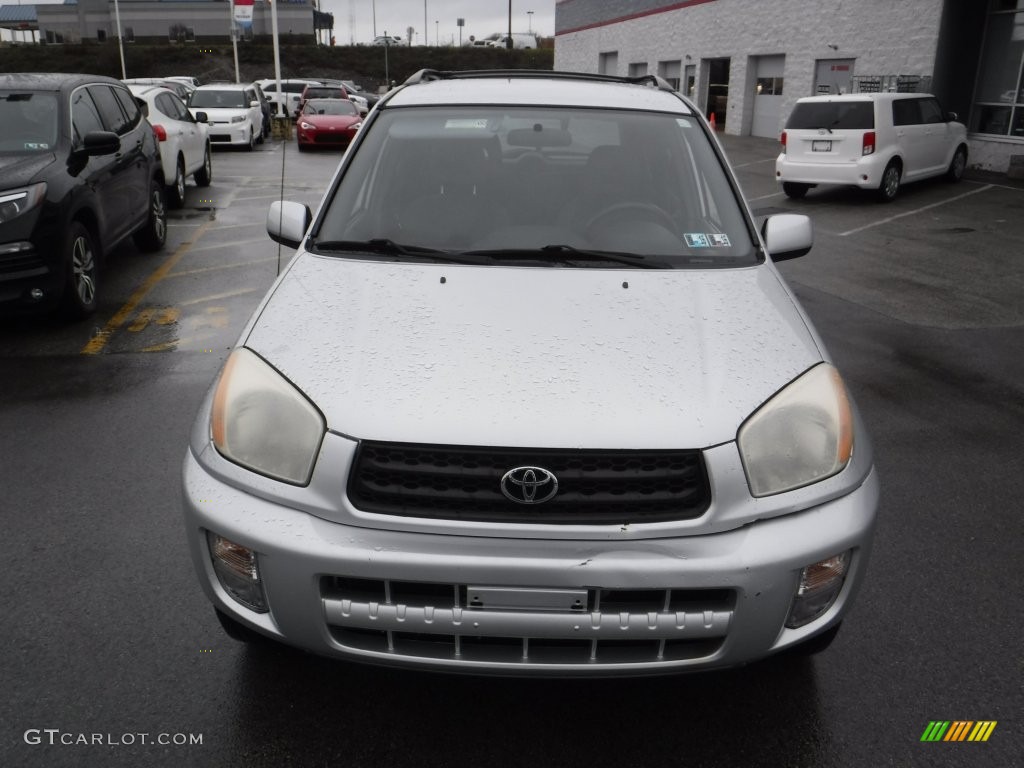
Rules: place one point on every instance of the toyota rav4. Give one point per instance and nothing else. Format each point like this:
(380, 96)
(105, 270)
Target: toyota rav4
(532, 399)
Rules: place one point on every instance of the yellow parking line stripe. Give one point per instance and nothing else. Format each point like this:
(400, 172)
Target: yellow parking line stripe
(99, 341)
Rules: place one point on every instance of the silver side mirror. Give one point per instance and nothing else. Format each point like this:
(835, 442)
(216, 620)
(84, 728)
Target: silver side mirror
(787, 235)
(287, 222)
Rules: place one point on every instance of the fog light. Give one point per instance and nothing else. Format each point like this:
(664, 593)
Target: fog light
(35, 294)
(237, 571)
(820, 584)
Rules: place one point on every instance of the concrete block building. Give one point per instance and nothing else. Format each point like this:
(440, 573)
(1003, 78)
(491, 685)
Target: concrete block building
(748, 61)
(174, 21)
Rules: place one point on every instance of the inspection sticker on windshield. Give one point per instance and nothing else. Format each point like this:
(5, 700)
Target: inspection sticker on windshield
(479, 124)
(701, 240)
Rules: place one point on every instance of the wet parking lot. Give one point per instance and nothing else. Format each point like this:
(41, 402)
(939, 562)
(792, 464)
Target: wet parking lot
(113, 655)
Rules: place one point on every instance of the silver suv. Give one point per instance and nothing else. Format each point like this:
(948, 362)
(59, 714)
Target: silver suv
(532, 399)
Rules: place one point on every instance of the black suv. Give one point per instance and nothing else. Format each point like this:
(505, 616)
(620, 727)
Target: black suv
(79, 173)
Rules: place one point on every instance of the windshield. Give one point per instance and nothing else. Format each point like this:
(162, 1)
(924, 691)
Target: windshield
(330, 107)
(555, 182)
(837, 115)
(218, 99)
(29, 121)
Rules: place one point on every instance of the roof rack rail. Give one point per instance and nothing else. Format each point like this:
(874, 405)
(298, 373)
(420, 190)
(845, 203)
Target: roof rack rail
(427, 75)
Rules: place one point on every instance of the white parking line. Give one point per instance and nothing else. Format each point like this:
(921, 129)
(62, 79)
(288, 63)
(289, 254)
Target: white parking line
(914, 212)
(755, 162)
(764, 197)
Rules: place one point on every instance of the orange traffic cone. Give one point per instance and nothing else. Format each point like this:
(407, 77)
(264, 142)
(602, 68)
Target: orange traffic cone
(711, 120)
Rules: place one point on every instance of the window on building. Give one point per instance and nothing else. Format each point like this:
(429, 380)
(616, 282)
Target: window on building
(999, 92)
(181, 34)
(608, 63)
(671, 72)
(101, 35)
(638, 69)
(769, 86)
(129, 34)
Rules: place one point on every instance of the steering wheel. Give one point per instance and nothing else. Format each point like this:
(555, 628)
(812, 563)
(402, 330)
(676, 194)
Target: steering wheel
(633, 210)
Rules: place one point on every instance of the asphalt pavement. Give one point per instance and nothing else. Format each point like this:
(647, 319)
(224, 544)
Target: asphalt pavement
(112, 655)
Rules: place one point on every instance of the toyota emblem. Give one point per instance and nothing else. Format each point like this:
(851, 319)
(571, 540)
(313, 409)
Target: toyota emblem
(529, 485)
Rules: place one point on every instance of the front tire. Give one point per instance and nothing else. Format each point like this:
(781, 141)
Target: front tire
(80, 290)
(176, 191)
(252, 141)
(890, 184)
(153, 234)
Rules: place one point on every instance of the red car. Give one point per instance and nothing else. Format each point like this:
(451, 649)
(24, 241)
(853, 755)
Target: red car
(327, 123)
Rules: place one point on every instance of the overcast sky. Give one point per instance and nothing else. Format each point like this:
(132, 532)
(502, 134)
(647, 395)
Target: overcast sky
(353, 19)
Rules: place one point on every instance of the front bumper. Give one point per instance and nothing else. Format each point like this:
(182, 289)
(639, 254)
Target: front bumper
(646, 606)
(234, 133)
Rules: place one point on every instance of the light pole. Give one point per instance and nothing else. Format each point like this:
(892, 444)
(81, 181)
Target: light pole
(375, 19)
(425, 27)
(120, 43)
(529, 17)
(437, 33)
(508, 41)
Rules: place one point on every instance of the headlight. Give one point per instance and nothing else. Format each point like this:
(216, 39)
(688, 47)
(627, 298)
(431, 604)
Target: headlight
(238, 119)
(305, 126)
(802, 435)
(262, 422)
(14, 202)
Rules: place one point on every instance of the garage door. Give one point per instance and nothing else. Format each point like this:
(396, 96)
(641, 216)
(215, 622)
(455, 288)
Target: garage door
(768, 96)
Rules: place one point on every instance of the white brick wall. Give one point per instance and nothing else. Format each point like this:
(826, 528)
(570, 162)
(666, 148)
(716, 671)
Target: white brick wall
(884, 37)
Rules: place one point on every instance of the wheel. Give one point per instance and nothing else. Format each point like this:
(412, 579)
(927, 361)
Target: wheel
(818, 643)
(957, 166)
(302, 147)
(252, 141)
(890, 183)
(176, 191)
(80, 290)
(153, 234)
(623, 211)
(794, 190)
(204, 175)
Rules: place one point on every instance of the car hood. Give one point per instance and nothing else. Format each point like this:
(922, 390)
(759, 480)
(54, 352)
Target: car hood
(16, 170)
(522, 357)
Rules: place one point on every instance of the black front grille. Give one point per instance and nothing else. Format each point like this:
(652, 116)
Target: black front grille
(331, 138)
(22, 262)
(464, 483)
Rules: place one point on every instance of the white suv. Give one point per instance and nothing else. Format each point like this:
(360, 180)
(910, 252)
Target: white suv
(233, 113)
(870, 140)
(532, 398)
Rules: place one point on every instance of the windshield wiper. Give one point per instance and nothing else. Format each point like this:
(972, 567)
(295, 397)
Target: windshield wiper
(571, 255)
(389, 248)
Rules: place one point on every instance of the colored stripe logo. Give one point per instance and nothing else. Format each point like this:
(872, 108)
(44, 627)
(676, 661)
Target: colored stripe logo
(958, 730)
